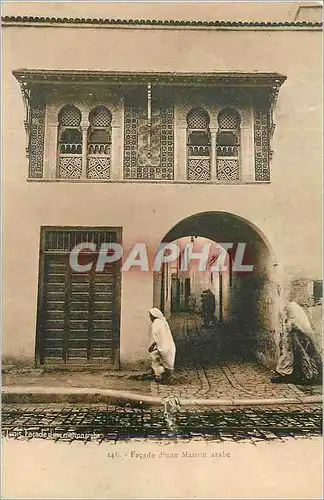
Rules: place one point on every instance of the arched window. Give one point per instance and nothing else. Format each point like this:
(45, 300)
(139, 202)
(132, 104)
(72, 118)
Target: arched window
(198, 144)
(69, 142)
(228, 144)
(99, 143)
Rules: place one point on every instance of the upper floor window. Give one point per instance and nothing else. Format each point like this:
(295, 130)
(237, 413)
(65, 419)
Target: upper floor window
(69, 142)
(99, 131)
(84, 151)
(146, 131)
(198, 144)
(109, 138)
(228, 144)
(99, 143)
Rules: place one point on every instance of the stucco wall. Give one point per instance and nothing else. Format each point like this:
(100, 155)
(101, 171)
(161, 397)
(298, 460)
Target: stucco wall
(286, 211)
(315, 314)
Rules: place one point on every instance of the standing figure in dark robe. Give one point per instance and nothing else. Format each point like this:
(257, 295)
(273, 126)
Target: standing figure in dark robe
(208, 305)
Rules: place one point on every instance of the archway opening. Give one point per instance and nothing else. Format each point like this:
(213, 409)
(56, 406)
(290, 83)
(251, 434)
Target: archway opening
(240, 274)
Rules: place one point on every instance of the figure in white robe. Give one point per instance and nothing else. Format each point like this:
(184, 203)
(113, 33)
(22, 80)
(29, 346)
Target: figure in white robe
(299, 359)
(162, 348)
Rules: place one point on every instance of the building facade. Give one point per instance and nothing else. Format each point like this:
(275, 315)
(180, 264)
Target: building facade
(137, 132)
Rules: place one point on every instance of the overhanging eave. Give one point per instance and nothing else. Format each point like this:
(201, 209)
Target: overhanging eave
(30, 77)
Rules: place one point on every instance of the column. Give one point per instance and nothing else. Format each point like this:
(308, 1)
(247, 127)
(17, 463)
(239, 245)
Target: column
(84, 128)
(213, 159)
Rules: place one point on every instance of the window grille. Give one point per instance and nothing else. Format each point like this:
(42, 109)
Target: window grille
(69, 143)
(99, 143)
(198, 119)
(198, 145)
(70, 116)
(229, 119)
(93, 162)
(100, 117)
(63, 240)
(228, 144)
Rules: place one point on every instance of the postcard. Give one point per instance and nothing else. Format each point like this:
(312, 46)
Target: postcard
(161, 238)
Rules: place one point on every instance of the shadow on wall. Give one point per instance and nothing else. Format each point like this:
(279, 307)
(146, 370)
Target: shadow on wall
(315, 314)
(254, 319)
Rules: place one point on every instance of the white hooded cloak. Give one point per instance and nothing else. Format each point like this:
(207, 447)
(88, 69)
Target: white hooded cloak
(162, 336)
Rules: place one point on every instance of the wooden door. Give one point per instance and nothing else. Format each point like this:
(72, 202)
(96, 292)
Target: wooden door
(78, 314)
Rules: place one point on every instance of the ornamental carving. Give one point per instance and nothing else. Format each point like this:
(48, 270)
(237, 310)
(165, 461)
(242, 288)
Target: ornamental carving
(149, 148)
(36, 136)
(261, 144)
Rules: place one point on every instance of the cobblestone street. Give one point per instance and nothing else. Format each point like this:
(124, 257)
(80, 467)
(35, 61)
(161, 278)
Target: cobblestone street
(205, 368)
(203, 372)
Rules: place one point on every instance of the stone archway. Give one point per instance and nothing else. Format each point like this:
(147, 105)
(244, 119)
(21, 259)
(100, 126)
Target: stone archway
(253, 319)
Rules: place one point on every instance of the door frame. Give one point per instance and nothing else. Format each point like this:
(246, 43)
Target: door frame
(38, 359)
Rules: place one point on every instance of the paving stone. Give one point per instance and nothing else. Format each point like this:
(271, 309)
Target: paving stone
(96, 423)
(195, 378)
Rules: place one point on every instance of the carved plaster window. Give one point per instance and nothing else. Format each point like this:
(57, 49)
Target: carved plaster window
(84, 146)
(198, 145)
(99, 143)
(69, 143)
(228, 144)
